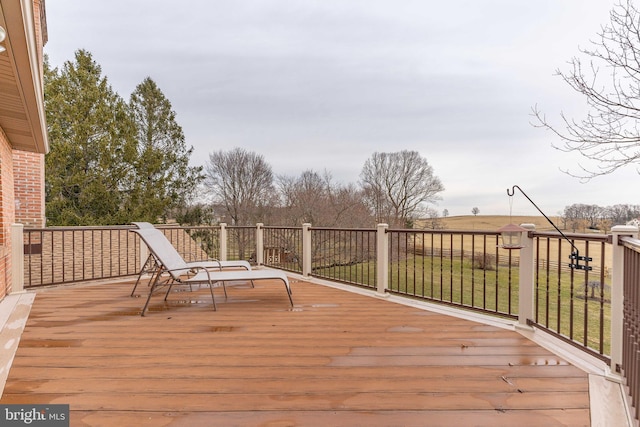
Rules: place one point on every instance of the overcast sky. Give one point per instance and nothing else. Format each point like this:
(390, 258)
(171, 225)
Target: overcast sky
(324, 84)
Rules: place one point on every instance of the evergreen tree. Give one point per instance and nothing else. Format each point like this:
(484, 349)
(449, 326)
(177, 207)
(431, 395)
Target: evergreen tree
(92, 146)
(164, 179)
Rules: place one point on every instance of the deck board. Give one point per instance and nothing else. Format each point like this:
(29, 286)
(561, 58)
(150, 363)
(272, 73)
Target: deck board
(335, 358)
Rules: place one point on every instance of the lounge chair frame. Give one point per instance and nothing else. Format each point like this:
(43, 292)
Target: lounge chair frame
(152, 265)
(174, 270)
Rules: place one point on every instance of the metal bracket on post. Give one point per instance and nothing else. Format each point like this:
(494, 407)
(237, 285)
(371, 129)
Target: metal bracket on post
(577, 258)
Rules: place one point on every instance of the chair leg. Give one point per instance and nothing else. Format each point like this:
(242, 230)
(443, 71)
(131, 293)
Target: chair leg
(151, 289)
(288, 292)
(214, 298)
(169, 290)
(136, 285)
(146, 304)
(143, 270)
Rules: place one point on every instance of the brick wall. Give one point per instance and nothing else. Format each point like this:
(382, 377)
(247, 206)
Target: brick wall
(28, 170)
(42, 34)
(29, 167)
(7, 213)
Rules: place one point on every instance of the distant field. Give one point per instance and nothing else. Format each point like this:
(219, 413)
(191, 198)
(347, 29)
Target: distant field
(493, 222)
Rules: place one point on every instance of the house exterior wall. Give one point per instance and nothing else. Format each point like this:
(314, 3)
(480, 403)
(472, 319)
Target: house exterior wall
(41, 27)
(7, 213)
(21, 173)
(28, 170)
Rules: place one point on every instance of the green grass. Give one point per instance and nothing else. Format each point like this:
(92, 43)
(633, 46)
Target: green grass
(456, 281)
(558, 311)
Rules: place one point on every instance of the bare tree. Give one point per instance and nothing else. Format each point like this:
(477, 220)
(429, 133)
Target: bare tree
(581, 215)
(398, 185)
(242, 181)
(609, 80)
(572, 217)
(302, 197)
(593, 214)
(621, 214)
(475, 211)
(432, 220)
(318, 200)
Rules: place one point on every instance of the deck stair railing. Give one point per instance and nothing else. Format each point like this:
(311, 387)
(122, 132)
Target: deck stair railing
(596, 309)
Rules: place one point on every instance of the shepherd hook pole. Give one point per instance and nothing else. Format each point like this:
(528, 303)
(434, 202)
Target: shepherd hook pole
(575, 254)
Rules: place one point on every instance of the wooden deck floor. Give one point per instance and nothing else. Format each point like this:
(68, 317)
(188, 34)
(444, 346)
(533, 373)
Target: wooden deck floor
(334, 359)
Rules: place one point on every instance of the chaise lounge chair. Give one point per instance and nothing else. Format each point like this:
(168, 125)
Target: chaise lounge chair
(175, 270)
(153, 266)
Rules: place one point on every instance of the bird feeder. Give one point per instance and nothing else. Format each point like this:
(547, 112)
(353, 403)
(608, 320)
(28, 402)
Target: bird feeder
(512, 236)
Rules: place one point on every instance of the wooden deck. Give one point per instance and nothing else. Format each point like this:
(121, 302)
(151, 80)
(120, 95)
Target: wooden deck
(335, 359)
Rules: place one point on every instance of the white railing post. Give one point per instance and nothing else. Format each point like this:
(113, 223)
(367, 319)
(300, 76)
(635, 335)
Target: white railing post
(617, 294)
(259, 243)
(223, 241)
(382, 262)
(306, 249)
(17, 258)
(526, 301)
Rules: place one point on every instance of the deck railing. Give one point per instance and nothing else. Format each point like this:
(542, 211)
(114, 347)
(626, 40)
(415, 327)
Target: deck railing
(59, 255)
(574, 304)
(630, 365)
(467, 269)
(460, 268)
(344, 255)
(282, 248)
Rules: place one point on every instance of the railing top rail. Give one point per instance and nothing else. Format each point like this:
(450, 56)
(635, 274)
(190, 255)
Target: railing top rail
(190, 227)
(80, 227)
(118, 227)
(342, 229)
(429, 231)
(606, 238)
(630, 242)
(283, 227)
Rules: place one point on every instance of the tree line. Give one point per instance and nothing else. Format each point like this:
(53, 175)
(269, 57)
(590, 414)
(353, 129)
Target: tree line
(580, 217)
(394, 188)
(114, 162)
